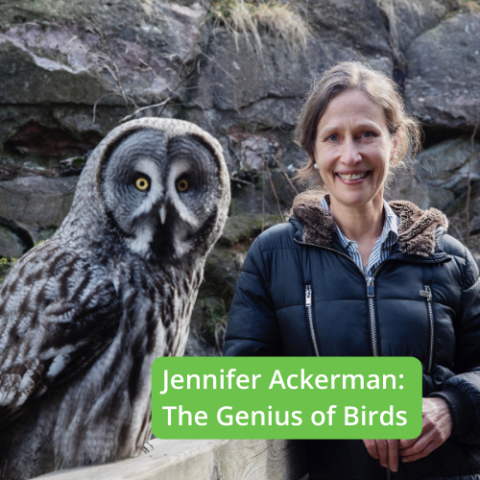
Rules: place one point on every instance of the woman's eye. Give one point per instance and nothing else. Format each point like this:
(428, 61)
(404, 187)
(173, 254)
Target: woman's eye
(333, 137)
(182, 185)
(142, 183)
(367, 134)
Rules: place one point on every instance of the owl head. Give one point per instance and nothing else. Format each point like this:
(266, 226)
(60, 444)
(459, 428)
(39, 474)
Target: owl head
(161, 187)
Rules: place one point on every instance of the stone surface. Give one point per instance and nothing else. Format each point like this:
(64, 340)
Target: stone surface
(36, 202)
(244, 80)
(439, 174)
(439, 179)
(443, 85)
(83, 50)
(93, 63)
(10, 244)
(408, 19)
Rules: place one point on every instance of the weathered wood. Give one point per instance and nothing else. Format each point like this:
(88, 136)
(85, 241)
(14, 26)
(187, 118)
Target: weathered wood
(201, 460)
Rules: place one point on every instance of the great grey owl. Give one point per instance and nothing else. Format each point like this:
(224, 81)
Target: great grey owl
(84, 315)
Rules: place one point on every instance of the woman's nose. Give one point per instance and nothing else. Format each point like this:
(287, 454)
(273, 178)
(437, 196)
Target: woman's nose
(350, 154)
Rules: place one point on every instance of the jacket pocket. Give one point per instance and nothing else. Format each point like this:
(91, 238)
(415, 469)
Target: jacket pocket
(427, 294)
(310, 317)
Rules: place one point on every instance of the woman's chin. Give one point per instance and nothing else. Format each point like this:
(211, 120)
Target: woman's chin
(354, 200)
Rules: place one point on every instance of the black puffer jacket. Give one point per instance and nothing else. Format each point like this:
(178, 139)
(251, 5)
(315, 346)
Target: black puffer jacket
(300, 294)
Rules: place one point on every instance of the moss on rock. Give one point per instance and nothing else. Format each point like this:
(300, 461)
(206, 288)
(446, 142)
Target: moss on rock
(5, 266)
(244, 226)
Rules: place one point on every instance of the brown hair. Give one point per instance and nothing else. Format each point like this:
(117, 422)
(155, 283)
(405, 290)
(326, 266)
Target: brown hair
(381, 89)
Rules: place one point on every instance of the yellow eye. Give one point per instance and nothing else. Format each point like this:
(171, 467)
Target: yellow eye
(142, 183)
(182, 185)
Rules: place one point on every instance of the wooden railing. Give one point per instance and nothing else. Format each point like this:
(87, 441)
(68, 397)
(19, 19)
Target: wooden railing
(201, 460)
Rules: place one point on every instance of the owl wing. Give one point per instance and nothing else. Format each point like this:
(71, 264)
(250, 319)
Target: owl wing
(58, 312)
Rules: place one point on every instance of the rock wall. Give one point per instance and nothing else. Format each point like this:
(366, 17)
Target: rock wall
(71, 71)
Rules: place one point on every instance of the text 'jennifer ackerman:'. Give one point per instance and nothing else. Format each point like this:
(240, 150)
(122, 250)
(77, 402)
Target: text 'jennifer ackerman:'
(302, 381)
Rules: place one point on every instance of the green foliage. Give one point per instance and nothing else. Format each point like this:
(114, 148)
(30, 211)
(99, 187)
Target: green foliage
(7, 263)
(5, 266)
(46, 233)
(212, 321)
(222, 9)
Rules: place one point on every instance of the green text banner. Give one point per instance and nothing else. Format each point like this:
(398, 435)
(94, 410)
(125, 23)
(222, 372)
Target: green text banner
(286, 397)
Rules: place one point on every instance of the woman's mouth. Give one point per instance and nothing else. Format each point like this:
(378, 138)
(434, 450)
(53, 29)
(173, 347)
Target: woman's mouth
(352, 177)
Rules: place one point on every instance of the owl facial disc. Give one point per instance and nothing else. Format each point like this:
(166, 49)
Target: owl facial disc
(161, 192)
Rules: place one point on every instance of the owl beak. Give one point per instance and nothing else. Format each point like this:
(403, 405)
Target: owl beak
(163, 214)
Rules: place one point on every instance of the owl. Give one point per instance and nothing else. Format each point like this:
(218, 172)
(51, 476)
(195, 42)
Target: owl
(84, 315)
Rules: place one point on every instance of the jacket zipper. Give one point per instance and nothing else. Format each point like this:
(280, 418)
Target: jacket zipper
(371, 309)
(371, 305)
(370, 295)
(308, 305)
(427, 294)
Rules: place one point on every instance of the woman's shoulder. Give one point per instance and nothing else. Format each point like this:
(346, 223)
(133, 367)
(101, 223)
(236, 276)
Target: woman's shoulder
(279, 236)
(459, 253)
(277, 240)
(451, 245)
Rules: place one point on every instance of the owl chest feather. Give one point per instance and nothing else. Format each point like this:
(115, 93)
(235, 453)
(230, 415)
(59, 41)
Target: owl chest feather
(115, 394)
(104, 413)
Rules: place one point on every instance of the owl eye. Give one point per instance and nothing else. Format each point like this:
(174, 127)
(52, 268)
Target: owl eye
(142, 183)
(182, 185)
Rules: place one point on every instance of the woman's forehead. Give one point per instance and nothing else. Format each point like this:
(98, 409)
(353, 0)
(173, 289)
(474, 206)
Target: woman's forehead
(352, 107)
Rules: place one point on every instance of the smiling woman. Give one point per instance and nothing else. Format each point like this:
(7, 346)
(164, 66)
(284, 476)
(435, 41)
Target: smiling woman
(353, 275)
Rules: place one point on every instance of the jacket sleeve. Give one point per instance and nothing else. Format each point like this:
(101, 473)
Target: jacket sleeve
(462, 391)
(252, 326)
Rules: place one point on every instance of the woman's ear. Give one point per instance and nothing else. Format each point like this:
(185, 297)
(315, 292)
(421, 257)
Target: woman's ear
(396, 144)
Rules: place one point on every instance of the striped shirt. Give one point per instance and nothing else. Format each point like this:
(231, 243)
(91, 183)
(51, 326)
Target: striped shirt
(383, 246)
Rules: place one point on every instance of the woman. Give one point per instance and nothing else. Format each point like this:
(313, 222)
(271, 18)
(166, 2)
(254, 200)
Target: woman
(351, 275)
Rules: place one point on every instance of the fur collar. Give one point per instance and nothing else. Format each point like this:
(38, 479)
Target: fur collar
(416, 232)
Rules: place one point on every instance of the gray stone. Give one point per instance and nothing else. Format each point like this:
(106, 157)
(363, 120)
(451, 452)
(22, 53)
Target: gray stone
(27, 78)
(446, 165)
(443, 85)
(349, 24)
(439, 174)
(11, 246)
(236, 75)
(233, 79)
(408, 19)
(37, 201)
(86, 52)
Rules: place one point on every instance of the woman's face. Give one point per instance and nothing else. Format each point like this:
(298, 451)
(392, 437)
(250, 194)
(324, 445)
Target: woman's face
(353, 149)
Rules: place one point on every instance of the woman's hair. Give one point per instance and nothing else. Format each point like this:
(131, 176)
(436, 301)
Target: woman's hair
(381, 89)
